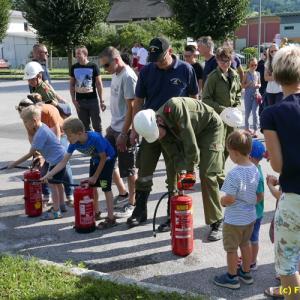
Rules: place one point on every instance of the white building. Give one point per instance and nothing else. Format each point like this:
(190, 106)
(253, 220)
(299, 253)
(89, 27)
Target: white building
(17, 44)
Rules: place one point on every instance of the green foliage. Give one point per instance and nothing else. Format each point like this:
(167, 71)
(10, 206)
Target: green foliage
(251, 51)
(4, 16)
(276, 6)
(29, 279)
(63, 22)
(217, 18)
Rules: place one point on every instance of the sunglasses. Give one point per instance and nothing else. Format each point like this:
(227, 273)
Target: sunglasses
(253, 65)
(105, 66)
(272, 51)
(227, 61)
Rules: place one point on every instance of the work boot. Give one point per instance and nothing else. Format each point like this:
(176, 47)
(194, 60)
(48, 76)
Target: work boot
(216, 231)
(139, 214)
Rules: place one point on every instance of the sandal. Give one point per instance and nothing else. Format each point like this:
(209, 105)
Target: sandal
(274, 292)
(107, 223)
(98, 216)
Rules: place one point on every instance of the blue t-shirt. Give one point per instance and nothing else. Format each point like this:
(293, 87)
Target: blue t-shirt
(241, 182)
(47, 143)
(157, 86)
(284, 118)
(209, 66)
(94, 145)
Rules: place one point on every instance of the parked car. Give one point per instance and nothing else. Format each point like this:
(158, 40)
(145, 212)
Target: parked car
(4, 64)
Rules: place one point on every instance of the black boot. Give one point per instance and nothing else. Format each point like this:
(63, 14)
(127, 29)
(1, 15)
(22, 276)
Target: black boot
(139, 214)
(216, 231)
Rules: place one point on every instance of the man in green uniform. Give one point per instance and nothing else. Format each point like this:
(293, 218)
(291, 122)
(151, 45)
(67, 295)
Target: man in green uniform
(190, 133)
(223, 87)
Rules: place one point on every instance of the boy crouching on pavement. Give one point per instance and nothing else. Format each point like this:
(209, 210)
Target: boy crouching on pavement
(101, 164)
(240, 188)
(45, 142)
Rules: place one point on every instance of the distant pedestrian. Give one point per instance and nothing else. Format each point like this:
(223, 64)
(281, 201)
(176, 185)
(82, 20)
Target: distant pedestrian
(86, 90)
(142, 56)
(274, 90)
(252, 98)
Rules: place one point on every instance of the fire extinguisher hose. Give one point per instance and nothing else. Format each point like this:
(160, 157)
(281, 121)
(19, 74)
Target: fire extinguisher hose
(155, 211)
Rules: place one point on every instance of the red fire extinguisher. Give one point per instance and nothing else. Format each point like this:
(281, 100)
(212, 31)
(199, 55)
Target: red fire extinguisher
(33, 193)
(84, 209)
(182, 231)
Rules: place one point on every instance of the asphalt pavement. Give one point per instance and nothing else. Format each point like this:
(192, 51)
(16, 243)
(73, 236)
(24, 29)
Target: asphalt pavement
(132, 253)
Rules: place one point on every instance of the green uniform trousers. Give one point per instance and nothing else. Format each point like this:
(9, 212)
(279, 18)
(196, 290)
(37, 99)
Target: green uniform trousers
(146, 162)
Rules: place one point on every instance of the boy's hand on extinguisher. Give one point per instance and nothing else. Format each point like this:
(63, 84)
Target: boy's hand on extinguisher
(92, 180)
(45, 178)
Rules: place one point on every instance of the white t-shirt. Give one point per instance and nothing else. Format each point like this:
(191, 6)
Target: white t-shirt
(242, 183)
(134, 51)
(122, 88)
(143, 55)
(273, 87)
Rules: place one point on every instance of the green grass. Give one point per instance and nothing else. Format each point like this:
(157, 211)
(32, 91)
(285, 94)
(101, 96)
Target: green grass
(31, 280)
(16, 74)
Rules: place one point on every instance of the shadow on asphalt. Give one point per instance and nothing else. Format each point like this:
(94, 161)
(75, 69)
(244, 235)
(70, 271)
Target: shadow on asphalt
(201, 281)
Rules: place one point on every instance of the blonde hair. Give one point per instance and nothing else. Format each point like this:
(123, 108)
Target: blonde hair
(286, 65)
(31, 112)
(240, 141)
(73, 125)
(251, 60)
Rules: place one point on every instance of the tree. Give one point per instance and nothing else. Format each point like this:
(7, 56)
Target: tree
(4, 15)
(217, 18)
(64, 23)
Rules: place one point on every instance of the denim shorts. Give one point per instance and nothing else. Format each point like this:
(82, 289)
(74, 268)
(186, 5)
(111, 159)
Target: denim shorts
(255, 233)
(287, 235)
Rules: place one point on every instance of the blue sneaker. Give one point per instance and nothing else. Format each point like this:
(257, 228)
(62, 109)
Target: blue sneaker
(246, 277)
(51, 214)
(225, 281)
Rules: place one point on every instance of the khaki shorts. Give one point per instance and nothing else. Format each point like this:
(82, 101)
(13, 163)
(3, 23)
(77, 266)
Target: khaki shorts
(235, 236)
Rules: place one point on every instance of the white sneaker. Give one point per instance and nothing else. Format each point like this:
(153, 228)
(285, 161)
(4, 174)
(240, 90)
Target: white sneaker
(125, 211)
(120, 200)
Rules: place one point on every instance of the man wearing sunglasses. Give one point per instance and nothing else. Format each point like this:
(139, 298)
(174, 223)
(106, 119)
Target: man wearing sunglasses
(163, 78)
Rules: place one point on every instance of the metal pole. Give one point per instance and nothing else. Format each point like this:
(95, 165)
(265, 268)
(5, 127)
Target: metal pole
(259, 29)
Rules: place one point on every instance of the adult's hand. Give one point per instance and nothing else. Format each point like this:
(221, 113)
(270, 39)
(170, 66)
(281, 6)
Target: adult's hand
(121, 142)
(134, 137)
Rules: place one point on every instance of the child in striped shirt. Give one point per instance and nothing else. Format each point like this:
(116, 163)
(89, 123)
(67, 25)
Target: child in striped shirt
(240, 188)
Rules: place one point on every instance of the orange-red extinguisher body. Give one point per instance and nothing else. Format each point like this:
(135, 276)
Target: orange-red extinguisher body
(33, 193)
(84, 209)
(182, 231)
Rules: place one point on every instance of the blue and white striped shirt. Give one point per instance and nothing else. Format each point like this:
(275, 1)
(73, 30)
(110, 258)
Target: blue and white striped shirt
(241, 182)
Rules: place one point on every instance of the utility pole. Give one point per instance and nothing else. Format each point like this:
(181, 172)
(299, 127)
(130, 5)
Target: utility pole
(259, 30)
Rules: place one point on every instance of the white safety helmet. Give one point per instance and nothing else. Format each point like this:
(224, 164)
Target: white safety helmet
(32, 69)
(145, 125)
(232, 117)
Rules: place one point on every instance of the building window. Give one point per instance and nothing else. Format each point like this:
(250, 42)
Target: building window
(25, 26)
(288, 27)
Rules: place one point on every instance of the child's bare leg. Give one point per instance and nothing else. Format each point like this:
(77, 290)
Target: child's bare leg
(109, 204)
(254, 250)
(96, 198)
(131, 188)
(246, 256)
(55, 195)
(232, 258)
(119, 182)
(61, 192)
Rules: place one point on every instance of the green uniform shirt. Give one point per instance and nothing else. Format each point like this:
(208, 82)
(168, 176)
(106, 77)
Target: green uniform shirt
(47, 93)
(186, 118)
(221, 91)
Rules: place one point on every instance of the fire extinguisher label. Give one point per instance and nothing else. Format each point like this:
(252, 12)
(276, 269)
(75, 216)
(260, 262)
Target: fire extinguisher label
(86, 210)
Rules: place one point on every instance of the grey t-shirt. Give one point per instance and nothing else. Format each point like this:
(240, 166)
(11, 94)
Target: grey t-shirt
(46, 142)
(122, 89)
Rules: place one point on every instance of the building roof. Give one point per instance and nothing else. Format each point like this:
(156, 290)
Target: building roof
(289, 14)
(132, 10)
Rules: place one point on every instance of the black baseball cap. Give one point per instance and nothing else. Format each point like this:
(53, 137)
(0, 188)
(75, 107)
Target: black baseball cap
(158, 48)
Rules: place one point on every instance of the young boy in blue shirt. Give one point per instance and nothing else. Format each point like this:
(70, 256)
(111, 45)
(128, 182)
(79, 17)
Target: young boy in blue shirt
(101, 164)
(257, 153)
(45, 142)
(240, 188)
